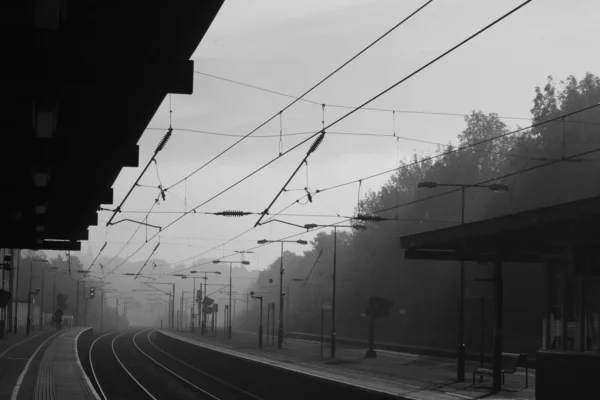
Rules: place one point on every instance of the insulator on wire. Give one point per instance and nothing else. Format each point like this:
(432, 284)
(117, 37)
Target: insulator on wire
(362, 217)
(308, 195)
(232, 213)
(164, 140)
(316, 143)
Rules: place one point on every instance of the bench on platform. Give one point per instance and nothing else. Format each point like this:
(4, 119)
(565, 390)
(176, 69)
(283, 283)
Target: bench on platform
(510, 363)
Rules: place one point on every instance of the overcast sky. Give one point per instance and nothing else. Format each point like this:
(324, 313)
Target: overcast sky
(287, 46)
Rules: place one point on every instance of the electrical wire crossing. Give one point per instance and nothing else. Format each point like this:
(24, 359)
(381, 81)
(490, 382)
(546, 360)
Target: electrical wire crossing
(148, 259)
(276, 115)
(161, 145)
(444, 54)
(375, 218)
(344, 116)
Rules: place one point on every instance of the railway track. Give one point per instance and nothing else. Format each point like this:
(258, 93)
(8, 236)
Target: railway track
(130, 365)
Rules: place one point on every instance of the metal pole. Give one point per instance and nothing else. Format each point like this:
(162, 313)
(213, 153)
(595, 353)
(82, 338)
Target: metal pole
(203, 327)
(101, 310)
(482, 316)
(28, 324)
(77, 305)
(322, 324)
(193, 303)
(287, 303)
(42, 302)
(181, 315)
(225, 322)
(333, 334)
(548, 307)
(85, 304)
(54, 294)
(117, 316)
(268, 320)
(460, 370)
(499, 325)
(173, 307)
(17, 292)
(280, 333)
(11, 289)
(371, 353)
(230, 284)
(260, 327)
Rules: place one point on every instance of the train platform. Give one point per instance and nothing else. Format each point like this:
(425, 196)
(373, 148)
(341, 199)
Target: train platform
(45, 366)
(408, 376)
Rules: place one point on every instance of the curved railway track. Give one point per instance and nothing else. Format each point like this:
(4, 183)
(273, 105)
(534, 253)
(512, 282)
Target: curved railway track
(130, 365)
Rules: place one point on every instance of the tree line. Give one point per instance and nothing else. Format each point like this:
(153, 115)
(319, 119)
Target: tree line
(563, 166)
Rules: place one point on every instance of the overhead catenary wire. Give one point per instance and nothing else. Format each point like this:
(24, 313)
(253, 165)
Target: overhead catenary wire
(468, 147)
(436, 156)
(354, 110)
(311, 150)
(318, 103)
(444, 54)
(160, 146)
(455, 150)
(305, 93)
(329, 133)
(423, 199)
(193, 210)
(97, 255)
(130, 238)
(487, 181)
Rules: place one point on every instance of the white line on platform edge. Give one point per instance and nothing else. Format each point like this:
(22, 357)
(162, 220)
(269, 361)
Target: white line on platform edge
(81, 370)
(18, 343)
(17, 387)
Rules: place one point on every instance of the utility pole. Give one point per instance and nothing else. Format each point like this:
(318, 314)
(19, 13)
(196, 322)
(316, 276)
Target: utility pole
(195, 298)
(85, 304)
(461, 353)
(11, 283)
(181, 314)
(16, 318)
(333, 334)
(280, 332)
(54, 295)
(101, 310)
(29, 324)
(117, 315)
(77, 305)
(265, 241)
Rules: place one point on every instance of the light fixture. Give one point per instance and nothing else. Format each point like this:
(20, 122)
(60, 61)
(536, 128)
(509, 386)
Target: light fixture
(40, 228)
(498, 187)
(40, 209)
(429, 185)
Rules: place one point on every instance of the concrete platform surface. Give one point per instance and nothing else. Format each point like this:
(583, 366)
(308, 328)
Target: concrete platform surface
(411, 376)
(15, 353)
(45, 366)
